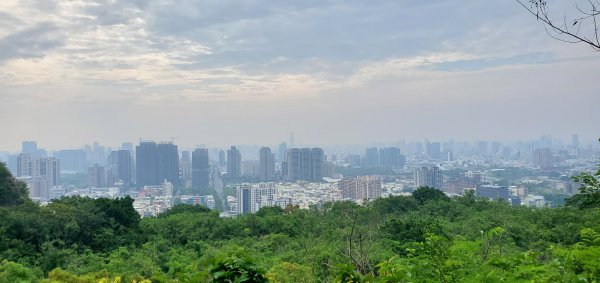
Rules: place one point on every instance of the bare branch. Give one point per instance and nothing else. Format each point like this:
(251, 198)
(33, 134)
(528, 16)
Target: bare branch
(565, 34)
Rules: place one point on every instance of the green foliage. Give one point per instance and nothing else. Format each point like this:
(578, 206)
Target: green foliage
(426, 237)
(589, 192)
(12, 192)
(11, 272)
(286, 272)
(235, 268)
(185, 208)
(426, 194)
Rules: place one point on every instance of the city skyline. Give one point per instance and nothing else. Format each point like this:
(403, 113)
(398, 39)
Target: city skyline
(251, 73)
(564, 140)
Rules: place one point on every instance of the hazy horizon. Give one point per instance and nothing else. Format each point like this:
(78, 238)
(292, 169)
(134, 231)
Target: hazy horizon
(332, 72)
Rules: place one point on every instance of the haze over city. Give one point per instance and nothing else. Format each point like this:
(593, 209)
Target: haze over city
(333, 72)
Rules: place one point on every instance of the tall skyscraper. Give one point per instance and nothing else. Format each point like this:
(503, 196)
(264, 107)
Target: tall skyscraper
(222, 158)
(146, 161)
(72, 160)
(543, 158)
(281, 152)
(371, 157)
(41, 173)
(575, 141)
(482, 148)
(434, 150)
(24, 165)
(267, 164)
(574, 150)
(29, 147)
(185, 165)
(391, 157)
(426, 177)
(200, 168)
(234, 162)
(97, 176)
(305, 164)
(168, 163)
(120, 167)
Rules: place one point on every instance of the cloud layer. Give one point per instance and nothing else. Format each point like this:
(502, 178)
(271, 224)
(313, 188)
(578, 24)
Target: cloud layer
(261, 56)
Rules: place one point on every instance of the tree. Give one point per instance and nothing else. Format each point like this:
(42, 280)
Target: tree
(425, 194)
(235, 268)
(589, 192)
(12, 192)
(581, 29)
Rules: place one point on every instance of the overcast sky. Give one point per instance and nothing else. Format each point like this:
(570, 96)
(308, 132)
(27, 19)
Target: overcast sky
(249, 72)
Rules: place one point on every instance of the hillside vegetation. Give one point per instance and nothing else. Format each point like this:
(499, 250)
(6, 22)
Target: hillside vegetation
(424, 238)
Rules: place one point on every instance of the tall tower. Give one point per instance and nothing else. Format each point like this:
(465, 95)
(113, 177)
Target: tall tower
(391, 157)
(29, 147)
(120, 167)
(267, 164)
(185, 164)
(146, 160)
(200, 168)
(305, 164)
(168, 163)
(372, 156)
(24, 165)
(234, 162)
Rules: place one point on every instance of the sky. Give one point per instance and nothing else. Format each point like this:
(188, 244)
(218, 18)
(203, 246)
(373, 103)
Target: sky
(227, 72)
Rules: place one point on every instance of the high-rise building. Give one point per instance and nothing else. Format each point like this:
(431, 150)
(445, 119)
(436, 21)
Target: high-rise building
(146, 161)
(496, 146)
(251, 168)
(574, 146)
(40, 174)
(222, 159)
(13, 164)
(120, 167)
(267, 164)
(127, 146)
(234, 163)
(360, 188)
(492, 192)
(185, 165)
(391, 157)
(434, 150)
(281, 152)
(72, 160)
(200, 168)
(97, 176)
(543, 158)
(29, 147)
(482, 148)
(244, 200)
(305, 164)
(49, 168)
(24, 165)
(168, 163)
(426, 177)
(251, 198)
(371, 157)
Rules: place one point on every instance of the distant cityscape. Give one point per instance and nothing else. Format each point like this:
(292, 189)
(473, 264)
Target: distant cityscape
(243, 179)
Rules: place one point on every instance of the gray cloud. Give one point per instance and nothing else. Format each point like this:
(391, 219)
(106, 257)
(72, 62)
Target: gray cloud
(364, 69)
(31, 42)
